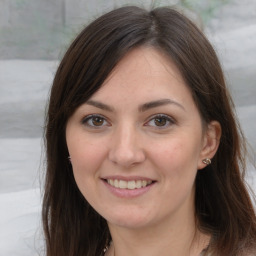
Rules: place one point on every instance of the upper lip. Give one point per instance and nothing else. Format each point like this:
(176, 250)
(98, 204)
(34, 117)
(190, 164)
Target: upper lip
(126, 178)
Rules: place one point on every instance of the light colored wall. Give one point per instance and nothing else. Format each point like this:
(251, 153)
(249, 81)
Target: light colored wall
(41, 29)
(30, 28)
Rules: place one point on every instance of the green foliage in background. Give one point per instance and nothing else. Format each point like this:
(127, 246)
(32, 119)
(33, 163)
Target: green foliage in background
(204, 8)
(37, 29)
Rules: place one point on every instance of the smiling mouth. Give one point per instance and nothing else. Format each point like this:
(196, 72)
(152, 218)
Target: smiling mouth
(131, 184)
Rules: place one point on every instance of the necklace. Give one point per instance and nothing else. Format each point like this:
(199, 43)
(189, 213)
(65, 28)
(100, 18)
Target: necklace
(203, 252)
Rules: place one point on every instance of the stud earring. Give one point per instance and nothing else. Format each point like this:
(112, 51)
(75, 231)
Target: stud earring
(207, 161)
(69, 158)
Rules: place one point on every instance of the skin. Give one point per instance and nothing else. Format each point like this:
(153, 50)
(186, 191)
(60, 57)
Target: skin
(131, 139)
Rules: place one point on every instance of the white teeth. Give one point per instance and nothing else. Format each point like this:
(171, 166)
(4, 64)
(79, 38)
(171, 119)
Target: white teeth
(132, 184)
(138, 184)
(122, 184)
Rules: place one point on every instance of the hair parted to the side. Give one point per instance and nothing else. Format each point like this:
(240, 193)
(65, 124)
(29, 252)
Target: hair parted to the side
(223, 206)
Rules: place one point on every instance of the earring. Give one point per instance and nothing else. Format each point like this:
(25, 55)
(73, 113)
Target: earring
(69, 158)
(207, 161)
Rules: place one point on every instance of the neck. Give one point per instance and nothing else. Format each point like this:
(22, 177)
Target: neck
(181, 238)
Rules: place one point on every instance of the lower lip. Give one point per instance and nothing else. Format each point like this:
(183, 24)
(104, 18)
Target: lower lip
(128, 193)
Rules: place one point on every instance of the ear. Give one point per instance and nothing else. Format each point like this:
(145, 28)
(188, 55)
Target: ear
(210, 142)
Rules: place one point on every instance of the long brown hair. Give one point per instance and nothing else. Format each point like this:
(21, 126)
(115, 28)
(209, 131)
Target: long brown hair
(223, 207)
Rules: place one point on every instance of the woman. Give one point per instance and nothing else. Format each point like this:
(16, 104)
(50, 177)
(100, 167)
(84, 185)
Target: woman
(144, 154)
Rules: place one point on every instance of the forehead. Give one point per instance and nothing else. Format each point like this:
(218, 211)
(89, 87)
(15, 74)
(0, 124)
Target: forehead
(144, 74)
(146, 61)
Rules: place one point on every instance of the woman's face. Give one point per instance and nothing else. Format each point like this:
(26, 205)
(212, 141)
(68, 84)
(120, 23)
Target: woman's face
(137, 143)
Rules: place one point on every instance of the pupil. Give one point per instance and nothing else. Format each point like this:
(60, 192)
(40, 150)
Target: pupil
(160, 121)
(97, 121)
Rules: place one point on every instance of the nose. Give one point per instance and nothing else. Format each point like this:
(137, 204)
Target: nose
(126, 150)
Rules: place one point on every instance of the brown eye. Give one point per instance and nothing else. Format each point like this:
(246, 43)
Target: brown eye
(97, 121)
(160, 121)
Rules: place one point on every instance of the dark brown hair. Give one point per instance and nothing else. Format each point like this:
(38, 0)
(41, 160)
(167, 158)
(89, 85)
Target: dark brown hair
(223, 206)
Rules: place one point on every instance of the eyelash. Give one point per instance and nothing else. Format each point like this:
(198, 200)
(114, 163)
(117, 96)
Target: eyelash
(167, 118)
(89, 118)
(169, 121)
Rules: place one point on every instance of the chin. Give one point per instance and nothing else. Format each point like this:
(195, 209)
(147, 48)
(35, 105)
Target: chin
(134, 221)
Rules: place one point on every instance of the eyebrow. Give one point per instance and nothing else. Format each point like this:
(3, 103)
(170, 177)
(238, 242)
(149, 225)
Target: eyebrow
(142, 108)
(158, 103)
(100, 105)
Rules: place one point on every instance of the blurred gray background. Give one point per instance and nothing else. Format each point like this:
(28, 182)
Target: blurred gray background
(34, 35)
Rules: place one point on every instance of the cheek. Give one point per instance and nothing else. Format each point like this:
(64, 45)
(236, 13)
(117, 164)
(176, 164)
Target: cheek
(177, 157)
(85, 153)
(86, 157)
(86, 160)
